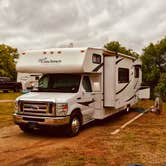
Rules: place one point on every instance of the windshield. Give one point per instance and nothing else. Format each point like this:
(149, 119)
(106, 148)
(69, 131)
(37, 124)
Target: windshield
(68, 83)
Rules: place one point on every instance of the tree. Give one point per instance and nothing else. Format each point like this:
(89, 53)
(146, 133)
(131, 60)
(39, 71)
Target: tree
(7, 64)
(161, 86)
(154, 63)
(151, 72)
(116, 46)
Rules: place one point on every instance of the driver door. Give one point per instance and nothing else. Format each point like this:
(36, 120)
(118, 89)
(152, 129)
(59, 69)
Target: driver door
(87, 99)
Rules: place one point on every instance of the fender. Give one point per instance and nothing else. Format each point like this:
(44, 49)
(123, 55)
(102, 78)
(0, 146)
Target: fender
(73, 107)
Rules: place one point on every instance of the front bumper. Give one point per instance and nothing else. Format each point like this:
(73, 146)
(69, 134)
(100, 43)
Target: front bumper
(43, 121)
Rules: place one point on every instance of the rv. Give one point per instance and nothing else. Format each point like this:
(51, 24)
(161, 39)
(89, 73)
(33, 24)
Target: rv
(78, 86)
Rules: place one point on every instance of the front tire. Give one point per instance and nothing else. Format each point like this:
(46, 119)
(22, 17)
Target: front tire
(74, 126)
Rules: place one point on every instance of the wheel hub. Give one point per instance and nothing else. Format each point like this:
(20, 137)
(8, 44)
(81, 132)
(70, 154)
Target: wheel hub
(75, 125)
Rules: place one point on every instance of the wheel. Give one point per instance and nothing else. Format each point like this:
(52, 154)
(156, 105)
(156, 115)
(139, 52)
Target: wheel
(74, 126)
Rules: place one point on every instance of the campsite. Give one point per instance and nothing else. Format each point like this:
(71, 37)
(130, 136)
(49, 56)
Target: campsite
(143, 141)
(82, 83)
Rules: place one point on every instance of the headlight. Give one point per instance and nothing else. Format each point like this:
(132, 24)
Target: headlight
(61, 109)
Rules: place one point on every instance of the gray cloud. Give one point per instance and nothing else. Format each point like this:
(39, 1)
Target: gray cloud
(53, 23)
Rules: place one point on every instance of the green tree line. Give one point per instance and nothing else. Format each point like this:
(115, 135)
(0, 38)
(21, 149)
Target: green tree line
(7, 64)
(154, 67)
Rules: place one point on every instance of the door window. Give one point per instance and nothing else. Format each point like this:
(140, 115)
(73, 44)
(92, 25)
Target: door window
(87, 84)
(136, 72)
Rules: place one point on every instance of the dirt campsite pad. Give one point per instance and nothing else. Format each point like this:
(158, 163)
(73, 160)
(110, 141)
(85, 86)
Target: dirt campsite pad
(143, 142)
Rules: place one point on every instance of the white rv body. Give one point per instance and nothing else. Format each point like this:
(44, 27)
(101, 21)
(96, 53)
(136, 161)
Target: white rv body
(108, 83)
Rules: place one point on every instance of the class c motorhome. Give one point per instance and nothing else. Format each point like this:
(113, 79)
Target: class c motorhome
(78, 86)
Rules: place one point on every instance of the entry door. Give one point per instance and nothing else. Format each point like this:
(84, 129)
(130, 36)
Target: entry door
(87, 99)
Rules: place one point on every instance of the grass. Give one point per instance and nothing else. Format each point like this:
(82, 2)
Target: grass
(7, 109)
(9, 96)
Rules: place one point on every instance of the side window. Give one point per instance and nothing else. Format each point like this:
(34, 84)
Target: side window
(96, 58)
(136, 72)
(86, 84)
(123, 75)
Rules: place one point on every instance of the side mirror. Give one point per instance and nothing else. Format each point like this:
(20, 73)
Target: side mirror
(96, 86)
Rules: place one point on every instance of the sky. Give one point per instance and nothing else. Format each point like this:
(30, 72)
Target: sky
(40, 24)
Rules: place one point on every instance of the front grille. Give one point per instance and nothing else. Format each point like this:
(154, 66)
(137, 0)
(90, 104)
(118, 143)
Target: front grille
(36, 108)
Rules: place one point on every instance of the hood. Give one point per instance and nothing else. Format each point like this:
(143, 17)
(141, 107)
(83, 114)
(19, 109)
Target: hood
(47, 97)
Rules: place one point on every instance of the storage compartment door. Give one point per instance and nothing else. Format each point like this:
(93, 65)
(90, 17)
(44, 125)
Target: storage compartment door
(144, 92)
(109, 81)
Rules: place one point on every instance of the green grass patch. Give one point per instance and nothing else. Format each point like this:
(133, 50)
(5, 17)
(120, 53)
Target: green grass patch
(9, 96)
(6, 111)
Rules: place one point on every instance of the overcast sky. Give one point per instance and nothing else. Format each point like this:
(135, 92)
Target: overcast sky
(36, 24)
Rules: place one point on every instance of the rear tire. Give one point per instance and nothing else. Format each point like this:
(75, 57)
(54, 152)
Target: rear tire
(74, 126)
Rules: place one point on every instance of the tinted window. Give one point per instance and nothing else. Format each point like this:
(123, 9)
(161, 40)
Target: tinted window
(123, 75)
(86, 84)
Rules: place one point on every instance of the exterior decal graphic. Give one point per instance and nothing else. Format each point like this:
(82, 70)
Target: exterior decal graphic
(86, 103)
(130, 98)
(122, 88)
(98, 67)
(119, 60)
